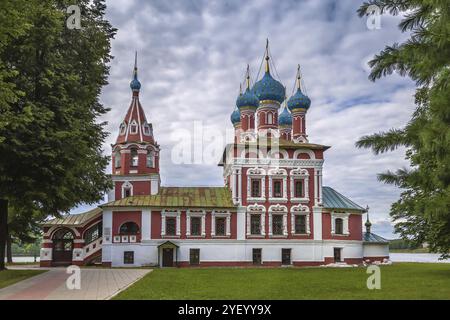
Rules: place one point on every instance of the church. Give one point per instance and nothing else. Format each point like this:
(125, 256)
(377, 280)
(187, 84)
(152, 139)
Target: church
(273, 209)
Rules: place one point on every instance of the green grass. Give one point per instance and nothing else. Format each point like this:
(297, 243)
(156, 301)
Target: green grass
(418, 250)
(9, 277)
(399, 281)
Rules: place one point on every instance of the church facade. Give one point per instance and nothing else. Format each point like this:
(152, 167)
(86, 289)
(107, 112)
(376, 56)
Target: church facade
(273, 209)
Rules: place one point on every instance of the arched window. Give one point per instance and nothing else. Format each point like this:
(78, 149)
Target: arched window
(129, 228)
(269, 118)
(117, 159)
(150, 159)
(127, 189)
(134, 157)
(338, 226)
(63, 234)
(133, 127)
(123, 128)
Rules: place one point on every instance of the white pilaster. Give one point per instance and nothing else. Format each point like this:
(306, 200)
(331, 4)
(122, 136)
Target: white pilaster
(146, 224)
(241, 211)
(317, 221)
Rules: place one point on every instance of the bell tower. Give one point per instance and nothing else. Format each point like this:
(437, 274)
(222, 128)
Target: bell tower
(135, 155)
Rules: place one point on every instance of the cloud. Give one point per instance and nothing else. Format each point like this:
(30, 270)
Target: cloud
(192, 56)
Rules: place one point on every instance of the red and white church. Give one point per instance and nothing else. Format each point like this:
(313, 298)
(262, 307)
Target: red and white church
(273, 209)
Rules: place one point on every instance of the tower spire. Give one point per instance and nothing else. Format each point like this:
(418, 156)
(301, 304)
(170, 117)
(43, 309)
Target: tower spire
(248, 77)
(267, 56)
(368, 224)
(135, 85)
(299, 78)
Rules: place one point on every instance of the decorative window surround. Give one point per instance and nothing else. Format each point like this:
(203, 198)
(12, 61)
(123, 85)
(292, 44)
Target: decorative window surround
(278, 174)
(280, 210)
(256, 209)
(221, 214)
(344, 216)
(133, 127)
(256, 173)
(299, 174)
(127, 185)
(123, 128)
(195, 213)
(170, 213)
(300, 210)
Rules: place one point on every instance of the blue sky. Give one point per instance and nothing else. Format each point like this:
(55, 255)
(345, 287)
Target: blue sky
(193, 54)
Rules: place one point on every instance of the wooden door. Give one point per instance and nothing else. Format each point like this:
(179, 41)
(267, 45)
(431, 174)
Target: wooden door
(167, 257)
(337, 254)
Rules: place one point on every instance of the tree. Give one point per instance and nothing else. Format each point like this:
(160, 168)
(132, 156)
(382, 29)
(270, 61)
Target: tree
(50, 83)
(422, 213)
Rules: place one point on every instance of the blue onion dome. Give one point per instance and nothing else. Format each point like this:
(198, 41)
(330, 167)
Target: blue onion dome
(299, 100)
(247, 99)
(135, 85)
(235, 116)
(268, 88)
(285, 118)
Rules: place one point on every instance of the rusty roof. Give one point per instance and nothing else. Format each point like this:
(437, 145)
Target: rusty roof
(180, 197)
(75, 219)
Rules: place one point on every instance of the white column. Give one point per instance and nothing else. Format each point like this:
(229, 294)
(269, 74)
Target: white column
(320, 187)
(317, 221)
(316, 189)
(241, 212)
(107, 235)
(240, 186)
(233, 185)
(146, 224)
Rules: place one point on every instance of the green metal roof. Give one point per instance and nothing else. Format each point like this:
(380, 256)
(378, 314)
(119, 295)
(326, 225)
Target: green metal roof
(180, 197)
(74, 219)
(373, 238)
(334, 200)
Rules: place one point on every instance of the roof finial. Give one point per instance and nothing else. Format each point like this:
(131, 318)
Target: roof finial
(368, 224)
(248, 77)
(267, 56)
(135, 84)
(299, 78)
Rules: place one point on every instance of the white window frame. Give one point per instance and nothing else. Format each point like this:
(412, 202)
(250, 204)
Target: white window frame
(135, 125)
(145, 127)
(278, 174)
(256, 209)
(256, 173)
(195, 213)
(123, 128)
(117, 159)
(152, 153)
(345, 217)
(299, 174)
(278, 210)
(221, 214)
(127, 185)
(300, 210)
(170, 213)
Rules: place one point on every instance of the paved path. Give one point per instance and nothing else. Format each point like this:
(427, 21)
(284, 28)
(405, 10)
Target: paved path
(96, 284)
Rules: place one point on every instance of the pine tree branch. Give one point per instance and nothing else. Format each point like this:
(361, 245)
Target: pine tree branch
(383, 141)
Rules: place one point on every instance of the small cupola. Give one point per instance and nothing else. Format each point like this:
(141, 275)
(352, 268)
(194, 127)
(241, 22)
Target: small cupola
(299, 100)
(248, 99)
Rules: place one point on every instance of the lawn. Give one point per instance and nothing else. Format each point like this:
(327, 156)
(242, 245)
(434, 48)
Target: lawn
(398, 281)
(9, 277)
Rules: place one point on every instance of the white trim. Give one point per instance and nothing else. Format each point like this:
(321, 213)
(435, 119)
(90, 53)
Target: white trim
(256, 173)
(221, 214)
(256, 209)
(278, 173)
(345, 218)
(195, 213)
(299, 174)
(127, 185)
(135, 125)
(300, 210)
(170, 213)
(279, 210)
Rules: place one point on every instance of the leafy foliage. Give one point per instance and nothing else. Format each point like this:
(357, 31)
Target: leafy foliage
(423, 211)
(50, 82)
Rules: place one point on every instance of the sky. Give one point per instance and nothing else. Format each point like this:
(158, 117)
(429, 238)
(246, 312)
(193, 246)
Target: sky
(192, 56)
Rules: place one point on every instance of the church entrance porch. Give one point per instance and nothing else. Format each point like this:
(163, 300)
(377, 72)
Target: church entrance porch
(62, 247)
(168, 254)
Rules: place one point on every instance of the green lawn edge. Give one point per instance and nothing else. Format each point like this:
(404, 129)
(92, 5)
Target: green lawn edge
(398, 281)
(10, 276)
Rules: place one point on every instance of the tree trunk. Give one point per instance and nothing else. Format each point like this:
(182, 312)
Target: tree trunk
(8, 246)
(3, 231)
